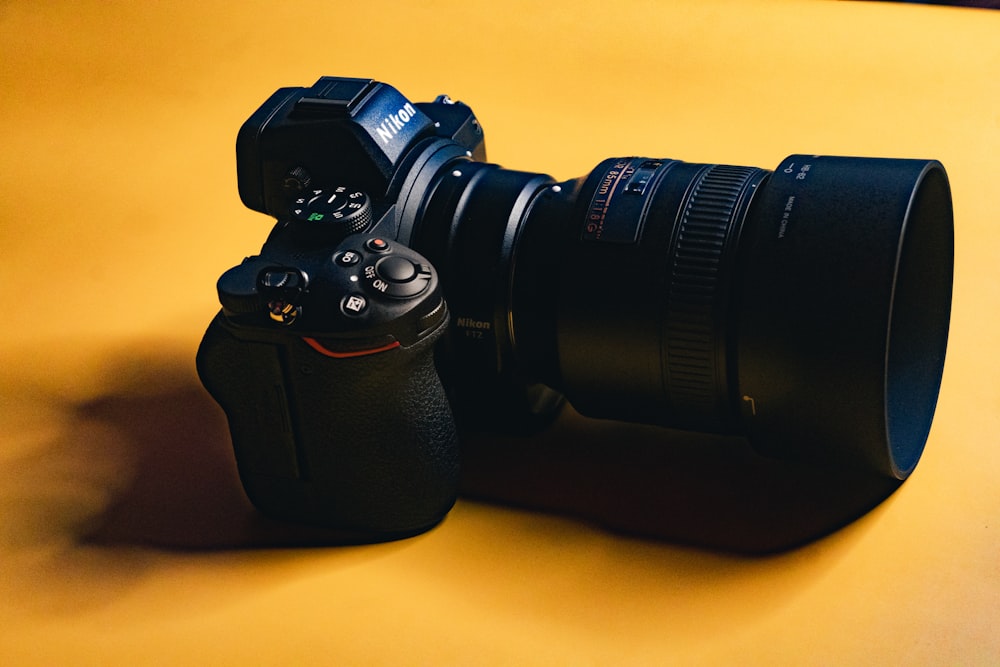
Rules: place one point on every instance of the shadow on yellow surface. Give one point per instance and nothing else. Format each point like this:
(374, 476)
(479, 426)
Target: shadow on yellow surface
(183, 492)
(686, 488)
(156, 448)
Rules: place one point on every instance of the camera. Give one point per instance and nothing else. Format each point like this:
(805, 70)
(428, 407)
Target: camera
(410, 291)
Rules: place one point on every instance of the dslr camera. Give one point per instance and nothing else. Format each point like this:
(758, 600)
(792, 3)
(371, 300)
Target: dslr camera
(411, 291)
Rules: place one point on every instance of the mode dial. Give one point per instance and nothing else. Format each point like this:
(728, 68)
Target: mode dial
(342, 209)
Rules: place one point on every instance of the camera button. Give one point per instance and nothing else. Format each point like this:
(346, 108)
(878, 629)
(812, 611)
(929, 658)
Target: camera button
(347, 258)
(395, 269)
(354, 304)
(377, 245)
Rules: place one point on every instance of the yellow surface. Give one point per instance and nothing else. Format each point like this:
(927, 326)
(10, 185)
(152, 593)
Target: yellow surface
(124, 538)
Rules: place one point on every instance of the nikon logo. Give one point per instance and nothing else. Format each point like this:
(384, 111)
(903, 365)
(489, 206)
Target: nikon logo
(469, 323)
(395, 122)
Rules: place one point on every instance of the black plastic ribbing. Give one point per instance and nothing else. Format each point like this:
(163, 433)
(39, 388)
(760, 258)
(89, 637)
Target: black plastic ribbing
(695, 296)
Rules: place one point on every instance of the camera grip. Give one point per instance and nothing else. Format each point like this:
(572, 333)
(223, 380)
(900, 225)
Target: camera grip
(364, 444)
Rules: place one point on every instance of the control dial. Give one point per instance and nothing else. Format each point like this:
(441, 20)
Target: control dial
(282, 287)
(348, 211)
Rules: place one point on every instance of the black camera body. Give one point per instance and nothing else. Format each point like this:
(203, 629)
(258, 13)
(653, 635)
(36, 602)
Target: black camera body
(323, 354)
(410, 291)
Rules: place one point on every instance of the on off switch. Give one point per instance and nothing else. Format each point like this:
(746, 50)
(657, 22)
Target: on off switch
(398, 277)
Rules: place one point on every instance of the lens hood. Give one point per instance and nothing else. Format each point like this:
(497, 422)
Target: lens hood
(842, 319)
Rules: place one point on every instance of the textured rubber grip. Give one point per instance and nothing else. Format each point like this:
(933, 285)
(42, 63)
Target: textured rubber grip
(364, 445)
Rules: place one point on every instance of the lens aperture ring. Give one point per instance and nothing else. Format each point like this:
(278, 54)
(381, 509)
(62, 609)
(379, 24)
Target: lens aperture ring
(697, 293)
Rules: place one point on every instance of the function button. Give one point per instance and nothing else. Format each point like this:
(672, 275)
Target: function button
(354, 304)
(377, 245)
(347, 258)
(396, 269)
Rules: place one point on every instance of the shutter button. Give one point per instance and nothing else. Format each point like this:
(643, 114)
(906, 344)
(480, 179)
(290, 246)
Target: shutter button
(396, 269)
(399, 277)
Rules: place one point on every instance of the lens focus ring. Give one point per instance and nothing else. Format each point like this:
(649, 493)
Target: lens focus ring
(696, 293)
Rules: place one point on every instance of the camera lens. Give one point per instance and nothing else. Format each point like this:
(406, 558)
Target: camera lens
(806, 308)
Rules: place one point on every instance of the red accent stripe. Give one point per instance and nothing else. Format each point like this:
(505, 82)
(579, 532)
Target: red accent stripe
(316, 345)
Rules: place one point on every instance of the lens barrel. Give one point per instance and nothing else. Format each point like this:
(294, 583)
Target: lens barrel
(805, 308)
(645, 307)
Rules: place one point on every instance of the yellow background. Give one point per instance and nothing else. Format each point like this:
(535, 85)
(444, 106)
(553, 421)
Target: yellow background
(124, 537)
